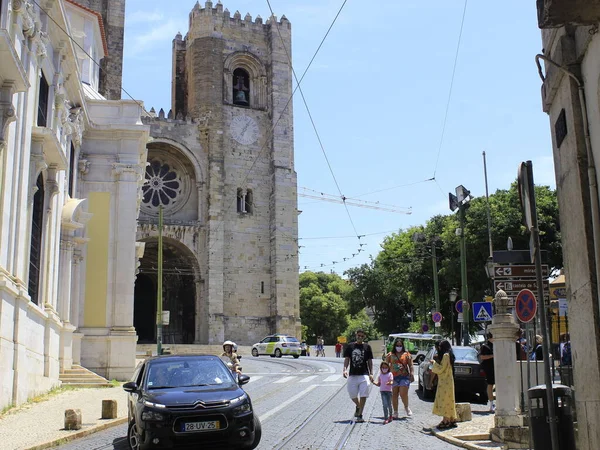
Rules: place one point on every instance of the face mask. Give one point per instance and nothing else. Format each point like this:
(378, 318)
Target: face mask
(399, 349)
(384, 370)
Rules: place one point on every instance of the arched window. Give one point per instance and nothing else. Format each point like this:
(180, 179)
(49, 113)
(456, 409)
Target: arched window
(241, 87)
(35, 251)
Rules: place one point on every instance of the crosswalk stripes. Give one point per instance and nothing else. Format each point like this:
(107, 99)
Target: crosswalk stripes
(255, 378)
(307, 379)
(284, 380)
(332, 378)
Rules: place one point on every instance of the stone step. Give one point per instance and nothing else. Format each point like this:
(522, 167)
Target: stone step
(81, 377)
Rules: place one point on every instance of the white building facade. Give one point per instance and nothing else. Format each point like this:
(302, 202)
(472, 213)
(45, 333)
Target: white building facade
(72, 166)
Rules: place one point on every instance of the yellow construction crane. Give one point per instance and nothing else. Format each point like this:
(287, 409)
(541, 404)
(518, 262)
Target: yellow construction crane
(310, 193)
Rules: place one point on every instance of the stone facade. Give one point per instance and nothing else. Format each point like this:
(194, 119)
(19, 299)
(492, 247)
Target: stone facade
(230, 213)
(71, 168)
(570, 96)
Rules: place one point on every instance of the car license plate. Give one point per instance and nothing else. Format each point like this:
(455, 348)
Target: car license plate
(201, 426)
(462, 369)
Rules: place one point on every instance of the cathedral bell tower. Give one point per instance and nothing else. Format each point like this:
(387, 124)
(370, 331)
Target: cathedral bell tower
(231, 118)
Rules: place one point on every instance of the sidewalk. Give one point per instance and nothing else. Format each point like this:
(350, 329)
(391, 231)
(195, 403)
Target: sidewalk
(40, 425)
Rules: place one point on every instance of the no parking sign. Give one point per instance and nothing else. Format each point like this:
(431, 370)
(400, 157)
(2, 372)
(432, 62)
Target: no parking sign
(525, 306)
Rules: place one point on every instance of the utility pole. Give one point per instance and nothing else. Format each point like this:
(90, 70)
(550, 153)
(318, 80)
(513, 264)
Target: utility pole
(159, 299)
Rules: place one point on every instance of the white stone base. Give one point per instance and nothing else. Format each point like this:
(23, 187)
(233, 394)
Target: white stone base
(111, 355)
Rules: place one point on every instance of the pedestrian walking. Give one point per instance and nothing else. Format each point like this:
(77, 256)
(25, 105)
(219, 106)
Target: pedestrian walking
(444, 404)
(338, 350)
(538, 351)
(320, 346)
(486, 358)
(358, 366)
(385, 380)
(401, 364)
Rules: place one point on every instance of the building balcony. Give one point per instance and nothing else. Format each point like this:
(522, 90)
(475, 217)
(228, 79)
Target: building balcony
(11, 69)
(54, 153)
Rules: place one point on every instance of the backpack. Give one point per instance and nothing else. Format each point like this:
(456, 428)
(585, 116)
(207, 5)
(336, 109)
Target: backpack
(565, 358)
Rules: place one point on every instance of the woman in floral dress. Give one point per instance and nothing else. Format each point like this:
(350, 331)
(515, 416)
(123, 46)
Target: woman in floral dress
(444, 404)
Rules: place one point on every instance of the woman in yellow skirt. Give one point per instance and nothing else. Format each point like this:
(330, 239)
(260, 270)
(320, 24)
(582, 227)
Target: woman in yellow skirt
(444, 404)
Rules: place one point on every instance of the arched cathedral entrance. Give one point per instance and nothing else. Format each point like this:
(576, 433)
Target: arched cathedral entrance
(179, 293)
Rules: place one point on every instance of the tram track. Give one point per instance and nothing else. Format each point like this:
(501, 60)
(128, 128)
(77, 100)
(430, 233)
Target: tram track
(344, 438)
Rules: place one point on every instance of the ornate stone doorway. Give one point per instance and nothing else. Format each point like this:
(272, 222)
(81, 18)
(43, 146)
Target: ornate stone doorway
(179, 293)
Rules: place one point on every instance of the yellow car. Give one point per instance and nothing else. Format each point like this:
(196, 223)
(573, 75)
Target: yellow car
(277, 345)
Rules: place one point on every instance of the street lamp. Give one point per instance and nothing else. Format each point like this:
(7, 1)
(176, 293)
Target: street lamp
(452, 295)
(460, 201)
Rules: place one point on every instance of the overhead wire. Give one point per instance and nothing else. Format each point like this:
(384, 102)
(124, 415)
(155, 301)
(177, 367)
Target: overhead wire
(314, 126)
(462, 23)
(272, 129)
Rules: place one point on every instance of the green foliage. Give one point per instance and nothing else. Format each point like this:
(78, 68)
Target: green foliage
(398, 283)
(323, 308)
(361, 321)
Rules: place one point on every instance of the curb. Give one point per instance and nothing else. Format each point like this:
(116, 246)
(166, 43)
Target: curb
(79, 434)
(463, 443)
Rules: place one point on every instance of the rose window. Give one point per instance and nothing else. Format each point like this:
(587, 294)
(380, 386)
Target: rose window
(163, 185)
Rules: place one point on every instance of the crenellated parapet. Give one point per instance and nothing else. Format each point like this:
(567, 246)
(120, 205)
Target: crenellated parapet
(222, 17)
(151, 117)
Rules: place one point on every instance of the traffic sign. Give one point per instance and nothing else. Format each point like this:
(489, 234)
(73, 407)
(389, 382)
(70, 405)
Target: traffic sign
(518, 271)
(459, 306)
(425, 328)
(482, 312)
(519, 285)
(459, 318)
(525, 306)
(436, 317)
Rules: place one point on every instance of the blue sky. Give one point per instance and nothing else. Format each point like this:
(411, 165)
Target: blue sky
(378, 92)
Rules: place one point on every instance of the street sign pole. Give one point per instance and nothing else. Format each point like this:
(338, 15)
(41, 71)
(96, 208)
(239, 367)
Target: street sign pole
(527, 194)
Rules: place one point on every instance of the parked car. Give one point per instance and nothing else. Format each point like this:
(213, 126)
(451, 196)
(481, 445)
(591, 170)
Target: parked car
(469, 377)
(277, 345)
(189, 400)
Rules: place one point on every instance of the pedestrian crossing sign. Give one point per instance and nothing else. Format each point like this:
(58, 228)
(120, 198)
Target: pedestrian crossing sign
(482, 312)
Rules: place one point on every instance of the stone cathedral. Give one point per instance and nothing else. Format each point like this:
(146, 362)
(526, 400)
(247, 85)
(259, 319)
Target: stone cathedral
(84, 174)
(221, 167)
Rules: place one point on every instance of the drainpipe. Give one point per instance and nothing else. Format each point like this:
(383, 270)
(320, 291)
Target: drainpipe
(591, 169)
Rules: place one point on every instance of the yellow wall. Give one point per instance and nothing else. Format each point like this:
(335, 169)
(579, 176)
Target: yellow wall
(96, 279)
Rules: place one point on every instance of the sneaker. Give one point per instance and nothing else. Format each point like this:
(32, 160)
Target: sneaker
(408, 411)
(390, 419)
(359, 419)
(387, 420)
(395, 415)
(356, 412)
(492, 407)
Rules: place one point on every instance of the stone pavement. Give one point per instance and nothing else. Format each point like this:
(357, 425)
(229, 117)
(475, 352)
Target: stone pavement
(40, 425)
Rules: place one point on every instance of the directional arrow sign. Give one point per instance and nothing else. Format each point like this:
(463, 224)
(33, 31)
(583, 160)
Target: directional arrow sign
(515, 271)
(506, 285)
(482, 312)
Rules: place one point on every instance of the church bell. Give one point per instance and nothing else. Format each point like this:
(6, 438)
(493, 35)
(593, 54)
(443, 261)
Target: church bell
(240, 97)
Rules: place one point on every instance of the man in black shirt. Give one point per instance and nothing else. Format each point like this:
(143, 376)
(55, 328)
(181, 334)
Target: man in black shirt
(486, 355)
(358, 358)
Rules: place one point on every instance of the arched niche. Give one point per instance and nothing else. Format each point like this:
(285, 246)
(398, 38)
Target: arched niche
(257, 79)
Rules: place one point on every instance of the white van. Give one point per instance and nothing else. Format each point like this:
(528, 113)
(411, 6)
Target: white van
(418, 344)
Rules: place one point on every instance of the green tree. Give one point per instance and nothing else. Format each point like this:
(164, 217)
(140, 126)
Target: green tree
(361, 321)
(323, 308)
(398, 283)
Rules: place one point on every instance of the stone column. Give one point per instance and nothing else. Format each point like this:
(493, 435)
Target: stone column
(508, 421)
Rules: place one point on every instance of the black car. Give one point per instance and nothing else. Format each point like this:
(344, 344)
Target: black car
(469, 377)
(183, 401)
